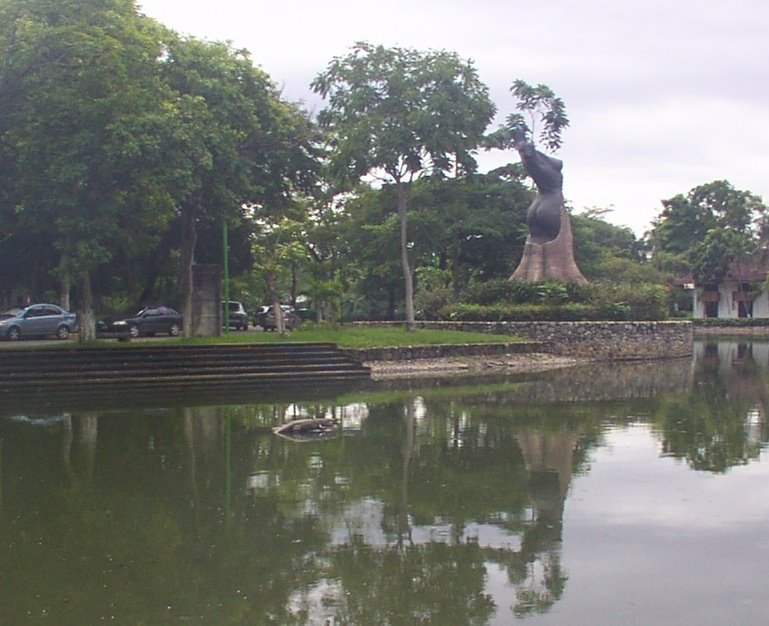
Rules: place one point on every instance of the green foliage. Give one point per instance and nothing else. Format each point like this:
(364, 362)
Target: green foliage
(710, 258)
(553, 301)
(473, 228)
(521, 292)
(112, 128)
(326, 297)
(82, 112)
(433, 291)
(618, 269)
(402, 111)
(400, 114)
(644, 301)
(543, 108)
(542, 117)
(607, 252)
(705, 230)
(463, 312)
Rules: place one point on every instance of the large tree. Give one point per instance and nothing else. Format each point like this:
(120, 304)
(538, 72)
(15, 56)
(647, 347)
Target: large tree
(710, 226)
(469, 229)
(241, 147)
(82, 110)
(398, 114)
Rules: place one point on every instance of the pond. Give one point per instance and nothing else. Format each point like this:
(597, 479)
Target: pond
(622, 494)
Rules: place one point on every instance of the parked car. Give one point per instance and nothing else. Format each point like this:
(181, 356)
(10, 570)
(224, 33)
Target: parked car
(258, 316)
(148, 322)
(265, 318)
(291, 319)
(37, 320)
(238, 315)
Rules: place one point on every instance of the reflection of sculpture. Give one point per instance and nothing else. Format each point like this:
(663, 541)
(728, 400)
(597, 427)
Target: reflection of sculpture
(549, 249)
(549, 458)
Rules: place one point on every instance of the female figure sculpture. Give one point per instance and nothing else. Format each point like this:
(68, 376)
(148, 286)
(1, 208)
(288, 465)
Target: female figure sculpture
(549, 249)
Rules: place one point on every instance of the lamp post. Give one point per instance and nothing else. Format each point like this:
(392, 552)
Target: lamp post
(226, 276)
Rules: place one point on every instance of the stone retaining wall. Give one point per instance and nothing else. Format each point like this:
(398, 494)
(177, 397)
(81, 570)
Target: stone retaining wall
(731, 331)
(407, 353)
(606, 381)
(606, 341)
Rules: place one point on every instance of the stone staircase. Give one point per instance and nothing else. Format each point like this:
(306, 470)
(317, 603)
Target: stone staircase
(174, 366)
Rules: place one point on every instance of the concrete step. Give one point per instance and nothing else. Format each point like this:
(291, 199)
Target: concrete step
(175, 365)
(122, 373)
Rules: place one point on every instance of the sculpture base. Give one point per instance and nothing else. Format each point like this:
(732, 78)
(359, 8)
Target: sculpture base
(550, 260)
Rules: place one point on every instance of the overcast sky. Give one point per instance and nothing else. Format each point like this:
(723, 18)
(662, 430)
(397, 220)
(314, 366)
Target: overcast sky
(662, 95)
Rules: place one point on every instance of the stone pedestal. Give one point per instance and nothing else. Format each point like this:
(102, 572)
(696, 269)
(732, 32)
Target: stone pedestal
(550, 260)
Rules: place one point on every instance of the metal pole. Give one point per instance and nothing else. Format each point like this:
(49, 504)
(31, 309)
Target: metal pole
(226, 277)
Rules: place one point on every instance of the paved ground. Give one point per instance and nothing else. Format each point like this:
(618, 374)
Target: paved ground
(530, 362)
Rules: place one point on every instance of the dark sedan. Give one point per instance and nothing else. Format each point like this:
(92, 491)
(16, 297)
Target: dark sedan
(147, 322)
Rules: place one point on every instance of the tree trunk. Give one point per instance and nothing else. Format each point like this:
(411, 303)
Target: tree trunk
(455, 266)
(407, 273)
(86, 316)
(294, 284)
(66, 289)
(65, 286)
(189, 237)
(277, 311)
(404, 527)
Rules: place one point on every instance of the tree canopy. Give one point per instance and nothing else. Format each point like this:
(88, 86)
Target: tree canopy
(709, 227)
(83, 103)
(115, 131)
(540, 117)
(400, 114)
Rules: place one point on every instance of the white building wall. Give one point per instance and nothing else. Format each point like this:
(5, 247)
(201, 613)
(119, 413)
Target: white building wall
(761, 305)
(727, 307)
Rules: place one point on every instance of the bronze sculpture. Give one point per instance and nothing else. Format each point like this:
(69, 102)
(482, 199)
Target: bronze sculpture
(549, 250)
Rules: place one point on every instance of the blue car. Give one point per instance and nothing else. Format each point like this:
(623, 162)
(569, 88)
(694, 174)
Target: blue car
(37, 320)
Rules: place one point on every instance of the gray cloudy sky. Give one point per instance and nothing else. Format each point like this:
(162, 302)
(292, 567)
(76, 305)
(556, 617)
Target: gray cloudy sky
(662, 95)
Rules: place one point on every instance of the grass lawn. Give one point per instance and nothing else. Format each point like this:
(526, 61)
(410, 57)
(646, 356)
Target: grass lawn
(343, 336)
(358, 337)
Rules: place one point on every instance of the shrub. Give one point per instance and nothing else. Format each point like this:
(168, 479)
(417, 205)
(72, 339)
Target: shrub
(503, 300)
(433, 291)
(519, 292)
(515, 312)
(643, 301)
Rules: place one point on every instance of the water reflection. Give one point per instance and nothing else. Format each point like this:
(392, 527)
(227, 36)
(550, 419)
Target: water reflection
(447, 504)
(721, 420)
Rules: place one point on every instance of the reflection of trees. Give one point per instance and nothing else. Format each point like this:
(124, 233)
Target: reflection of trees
(421, 494)
(721, 422)
(145, 540)
(402, 518)
(398, 522)
(79, 441)
(430, 583)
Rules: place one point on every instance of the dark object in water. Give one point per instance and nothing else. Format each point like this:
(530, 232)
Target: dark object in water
(307, 426)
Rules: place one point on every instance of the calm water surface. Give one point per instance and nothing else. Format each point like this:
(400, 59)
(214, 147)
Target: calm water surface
(635, 494)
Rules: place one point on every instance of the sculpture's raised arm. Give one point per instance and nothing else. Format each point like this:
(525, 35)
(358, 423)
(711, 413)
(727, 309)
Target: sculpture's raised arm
(543, 169)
